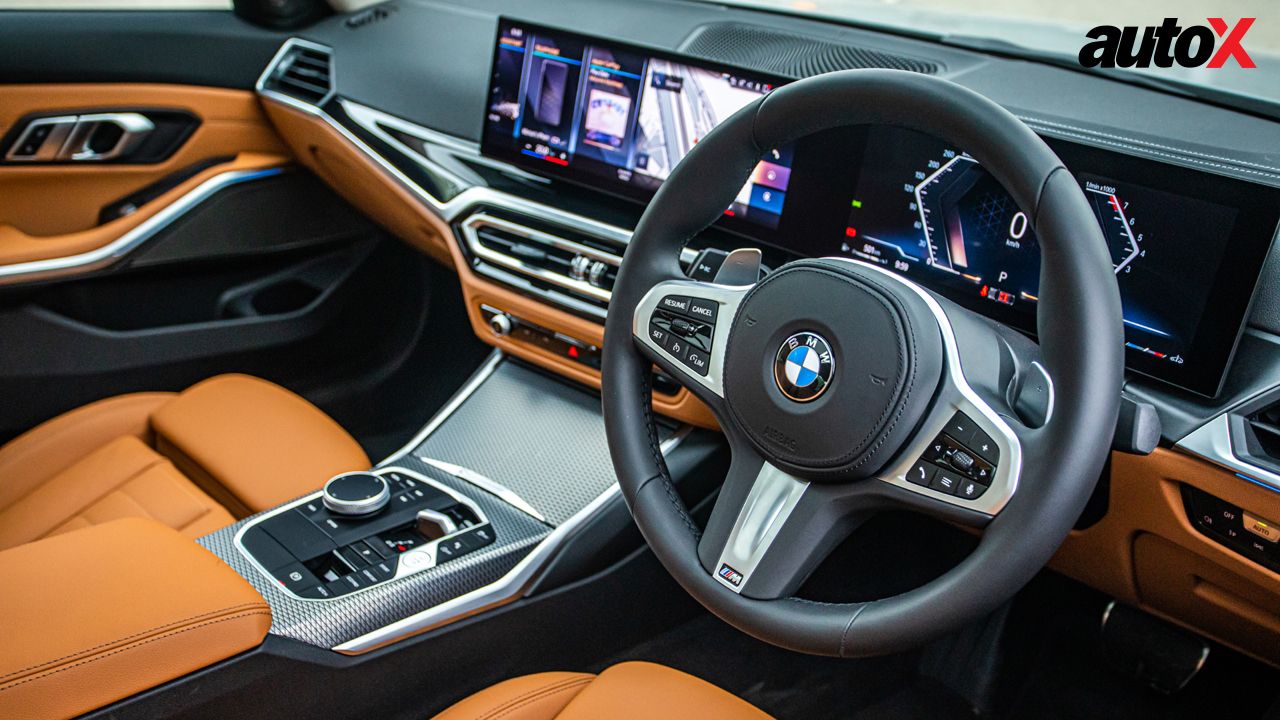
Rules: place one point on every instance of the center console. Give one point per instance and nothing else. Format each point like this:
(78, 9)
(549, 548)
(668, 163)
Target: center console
(509, 484)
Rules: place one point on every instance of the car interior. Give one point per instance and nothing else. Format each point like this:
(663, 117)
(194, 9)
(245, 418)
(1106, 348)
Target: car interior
(481, 359)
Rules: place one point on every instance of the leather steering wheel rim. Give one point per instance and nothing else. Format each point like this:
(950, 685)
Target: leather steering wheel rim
(1080, 340)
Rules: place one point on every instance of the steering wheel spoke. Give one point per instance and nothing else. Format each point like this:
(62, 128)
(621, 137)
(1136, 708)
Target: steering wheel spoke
(770, 529)
(684, 327)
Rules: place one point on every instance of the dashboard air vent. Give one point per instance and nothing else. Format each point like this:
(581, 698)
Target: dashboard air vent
(790, 55)
(302, 70)
(1259, 436)
(541, 261)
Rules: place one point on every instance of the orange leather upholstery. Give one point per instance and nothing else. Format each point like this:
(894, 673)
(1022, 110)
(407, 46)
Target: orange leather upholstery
(86, 624)
(252, 444)
(629, 691)
(226, 447)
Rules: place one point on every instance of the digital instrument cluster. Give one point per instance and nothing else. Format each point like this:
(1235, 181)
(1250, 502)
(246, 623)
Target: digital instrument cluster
(1186, 251)
(1187, 246)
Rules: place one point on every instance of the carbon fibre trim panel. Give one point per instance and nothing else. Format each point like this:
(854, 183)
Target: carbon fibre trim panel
(537, 436)
(332, 622)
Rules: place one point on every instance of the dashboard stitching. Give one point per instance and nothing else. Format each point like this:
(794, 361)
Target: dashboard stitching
(1138, 145)
(1099, 133)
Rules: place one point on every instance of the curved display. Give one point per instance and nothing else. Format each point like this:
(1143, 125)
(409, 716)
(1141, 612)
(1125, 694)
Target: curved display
(1187, 246)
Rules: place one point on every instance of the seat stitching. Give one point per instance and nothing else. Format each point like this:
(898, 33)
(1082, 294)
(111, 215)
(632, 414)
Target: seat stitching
(527, 698)
(135, 635)
(174, 633)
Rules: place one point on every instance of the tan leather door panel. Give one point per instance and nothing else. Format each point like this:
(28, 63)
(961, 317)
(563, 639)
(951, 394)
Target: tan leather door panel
(50, 211)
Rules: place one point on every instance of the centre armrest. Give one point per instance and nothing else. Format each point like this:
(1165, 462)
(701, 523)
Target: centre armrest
(93, 616)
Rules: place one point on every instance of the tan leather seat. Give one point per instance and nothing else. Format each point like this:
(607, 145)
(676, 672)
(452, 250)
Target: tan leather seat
(629, 691)
(222, 449)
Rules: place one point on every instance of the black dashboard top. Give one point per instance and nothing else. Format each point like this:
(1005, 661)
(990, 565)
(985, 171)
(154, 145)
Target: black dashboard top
(444, 50)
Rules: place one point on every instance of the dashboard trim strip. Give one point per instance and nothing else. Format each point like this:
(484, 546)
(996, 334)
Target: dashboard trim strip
(1212, 441)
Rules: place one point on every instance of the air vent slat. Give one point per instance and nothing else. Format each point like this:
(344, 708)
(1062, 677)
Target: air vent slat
(550, 262)
(303, 72)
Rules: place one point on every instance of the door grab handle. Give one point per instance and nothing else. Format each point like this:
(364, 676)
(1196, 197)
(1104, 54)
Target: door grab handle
(81, 138)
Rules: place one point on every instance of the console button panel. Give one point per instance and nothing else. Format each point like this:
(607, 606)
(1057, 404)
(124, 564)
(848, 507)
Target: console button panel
(1233, 527)
(316, 554)
(961, 461)
(684, 327)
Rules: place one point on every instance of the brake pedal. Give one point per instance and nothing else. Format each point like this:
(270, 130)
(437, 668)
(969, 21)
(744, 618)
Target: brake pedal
(1156, 652)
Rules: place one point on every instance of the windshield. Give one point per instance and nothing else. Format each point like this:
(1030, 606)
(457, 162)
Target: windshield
(1054, 28)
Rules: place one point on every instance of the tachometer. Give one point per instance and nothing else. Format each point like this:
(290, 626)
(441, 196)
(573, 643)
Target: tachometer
(1117, 223)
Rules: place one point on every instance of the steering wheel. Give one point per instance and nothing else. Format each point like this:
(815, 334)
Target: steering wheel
(846, 390)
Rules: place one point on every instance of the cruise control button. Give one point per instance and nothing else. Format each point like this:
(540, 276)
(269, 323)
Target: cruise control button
(678, 347)
(985, 448)
(675, 303)
(921, 473)
(945, 482)
(970, 490)
(658, 335)
(703, 309)
(697, 361)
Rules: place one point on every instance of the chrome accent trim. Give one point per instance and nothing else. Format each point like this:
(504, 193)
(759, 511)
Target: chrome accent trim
(477, 379)
(269, 72)
(131, 240)
(471, 233)
(512, 586)
(729, 297)
(468, 200)
(769, 504)
(358, 508)
(489, 485)
(51, 146)
(955, 395)
(423, 556)
(1212, 441)
(134, 128)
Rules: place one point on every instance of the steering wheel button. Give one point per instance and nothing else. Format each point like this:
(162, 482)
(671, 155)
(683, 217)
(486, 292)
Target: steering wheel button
(984, 447)
(921, 473)
(697, 361)
(961, 428)
(961, 460)
(675, 303)
(677, 347)
(945, 482)
(658, 335)
(704, 310)
(970, 489)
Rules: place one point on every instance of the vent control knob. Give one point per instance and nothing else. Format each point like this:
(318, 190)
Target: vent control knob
(500, 323)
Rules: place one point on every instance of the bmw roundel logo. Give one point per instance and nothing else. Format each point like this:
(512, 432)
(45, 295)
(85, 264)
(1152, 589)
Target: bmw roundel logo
(803, 366)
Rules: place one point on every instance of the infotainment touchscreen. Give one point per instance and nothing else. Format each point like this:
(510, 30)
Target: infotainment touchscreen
(617, 117)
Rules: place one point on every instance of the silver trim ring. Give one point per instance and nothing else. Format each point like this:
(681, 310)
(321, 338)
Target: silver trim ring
(356, 508)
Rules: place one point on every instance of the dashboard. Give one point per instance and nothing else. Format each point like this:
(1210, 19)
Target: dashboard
(1187, 246)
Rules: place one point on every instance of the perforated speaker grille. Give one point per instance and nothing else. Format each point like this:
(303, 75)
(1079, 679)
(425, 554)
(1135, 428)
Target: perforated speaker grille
(789, 55)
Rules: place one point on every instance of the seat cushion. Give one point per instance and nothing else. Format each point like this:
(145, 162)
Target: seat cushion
(628, 691)
(40, 453)
(224, 448)
(123, 478)
(252, 444)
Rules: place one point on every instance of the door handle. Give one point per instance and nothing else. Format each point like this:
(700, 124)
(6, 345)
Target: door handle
(92, 137)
